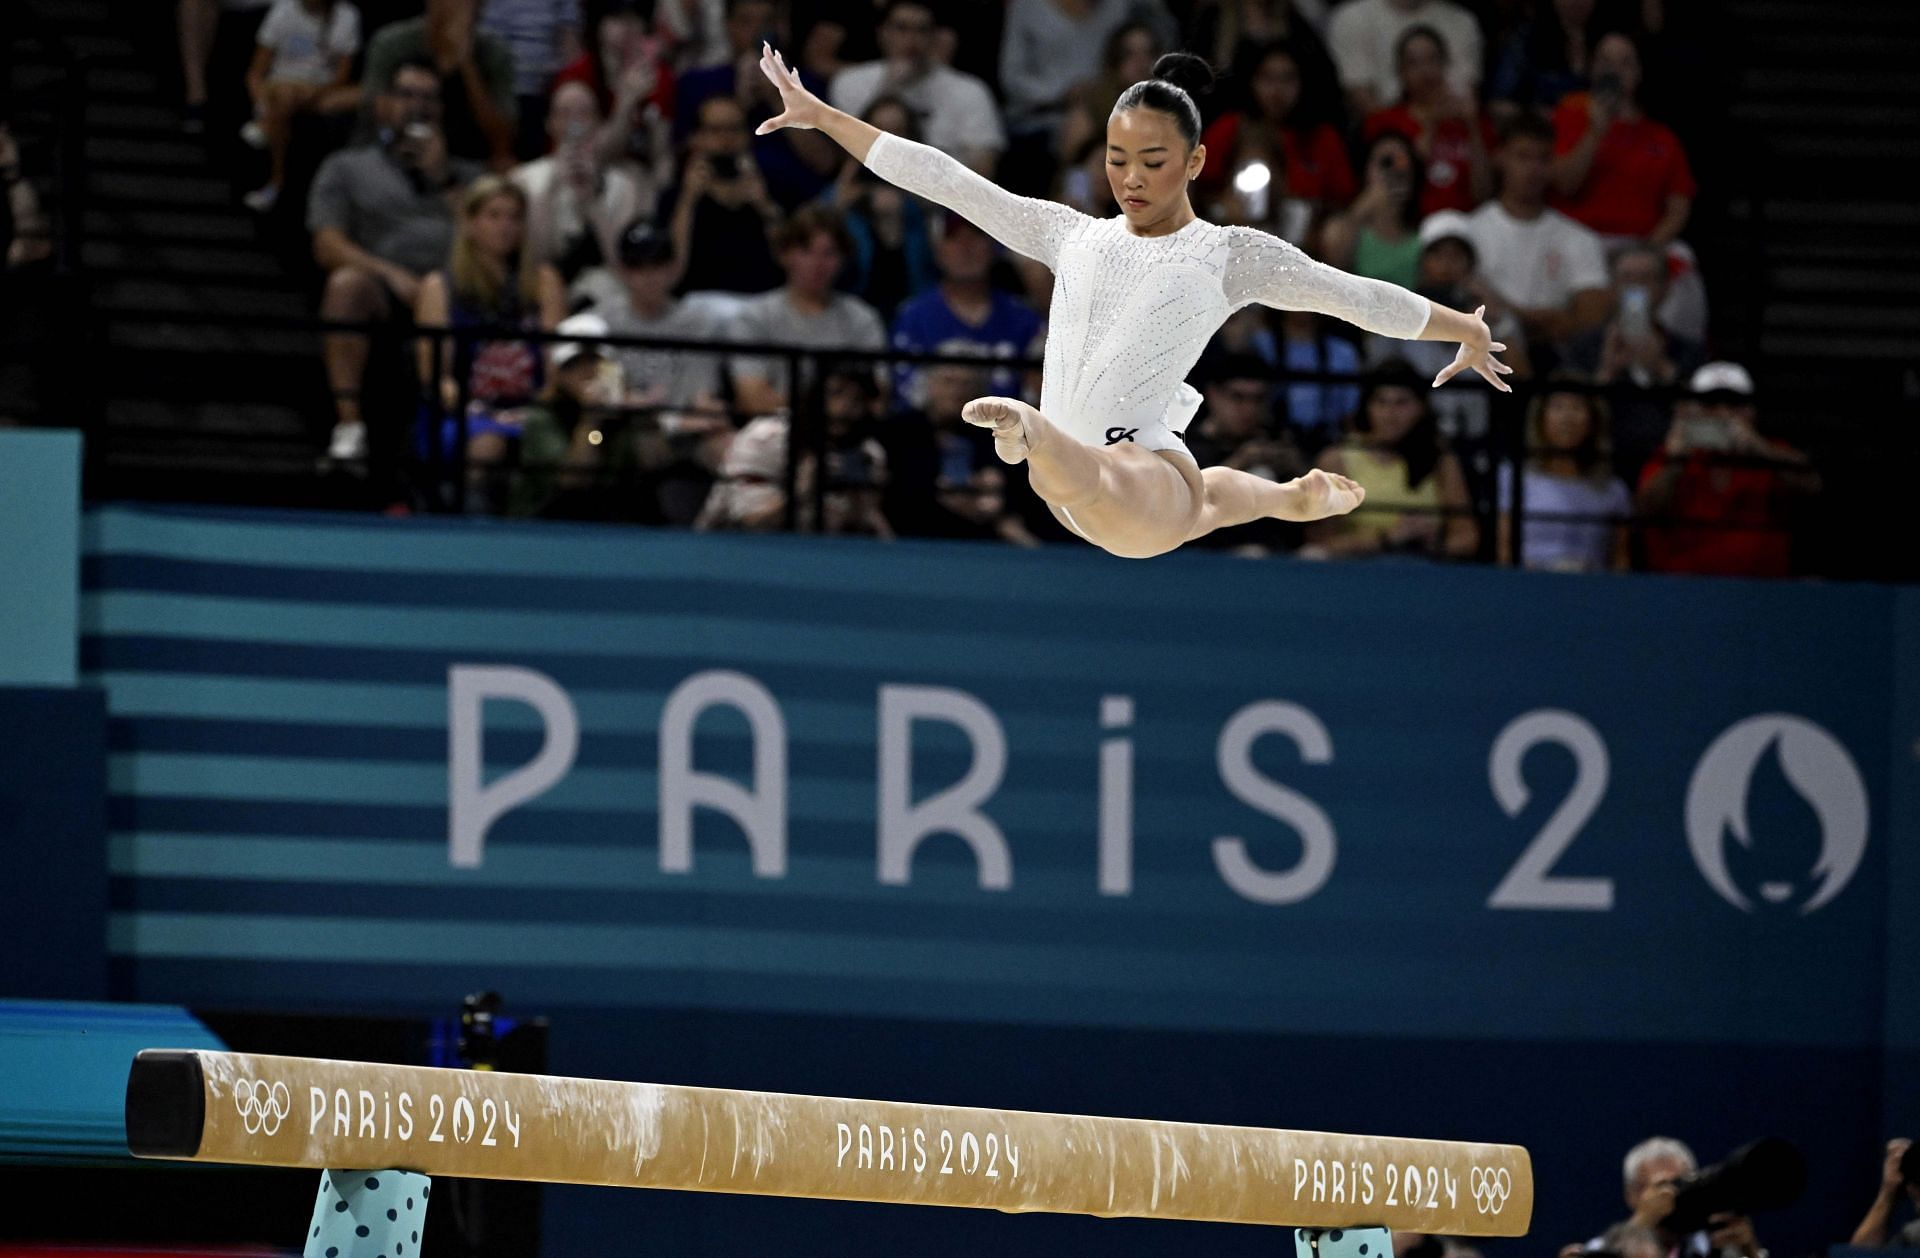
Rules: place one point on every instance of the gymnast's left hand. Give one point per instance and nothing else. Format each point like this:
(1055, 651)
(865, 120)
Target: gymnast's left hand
(1478, 353)
(799, 107)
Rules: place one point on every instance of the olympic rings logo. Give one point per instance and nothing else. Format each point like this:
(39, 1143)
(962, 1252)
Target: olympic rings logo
(263, 1106)
(1490, 1188)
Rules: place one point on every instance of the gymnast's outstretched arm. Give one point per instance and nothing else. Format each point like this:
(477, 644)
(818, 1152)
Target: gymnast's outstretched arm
(1026, 225)
(1266, 269)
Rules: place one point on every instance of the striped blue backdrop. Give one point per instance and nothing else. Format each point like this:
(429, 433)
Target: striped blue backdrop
(277, 692)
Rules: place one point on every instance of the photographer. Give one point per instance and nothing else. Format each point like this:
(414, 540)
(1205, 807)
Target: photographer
(1615, 169)
(1899, 1177)
(1721, 496)
(720, 215)
(472, 69)
(1654, 1173)
(382, 216)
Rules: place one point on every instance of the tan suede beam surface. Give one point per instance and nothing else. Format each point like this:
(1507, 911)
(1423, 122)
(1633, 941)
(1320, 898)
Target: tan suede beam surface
(290, 1111)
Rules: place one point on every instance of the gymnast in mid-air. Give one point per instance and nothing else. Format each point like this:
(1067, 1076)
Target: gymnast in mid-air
(1135, 300)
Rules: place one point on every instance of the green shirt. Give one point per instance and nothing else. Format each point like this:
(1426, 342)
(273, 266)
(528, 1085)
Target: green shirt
(399, 42)
(1379, 259)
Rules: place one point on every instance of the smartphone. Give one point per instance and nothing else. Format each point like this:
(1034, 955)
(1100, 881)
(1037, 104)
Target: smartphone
(1708, 434)
(1636, 312)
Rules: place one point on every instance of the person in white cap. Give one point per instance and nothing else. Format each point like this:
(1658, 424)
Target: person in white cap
(1718, 497)
(571, 438)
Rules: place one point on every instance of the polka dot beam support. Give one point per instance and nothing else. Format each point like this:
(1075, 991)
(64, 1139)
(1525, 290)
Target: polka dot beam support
(368, 1214)
(1342, 1242)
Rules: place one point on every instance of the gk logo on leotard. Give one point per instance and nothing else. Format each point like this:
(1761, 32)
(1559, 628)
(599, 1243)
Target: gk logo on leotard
(263, 1106)
(1490, 1188)
(1116, 435)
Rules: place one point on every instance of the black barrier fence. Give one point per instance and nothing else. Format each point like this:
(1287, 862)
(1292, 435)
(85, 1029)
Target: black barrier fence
(450, 451)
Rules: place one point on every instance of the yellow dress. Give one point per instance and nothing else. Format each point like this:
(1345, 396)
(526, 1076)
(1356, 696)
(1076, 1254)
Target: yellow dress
(1389, 500)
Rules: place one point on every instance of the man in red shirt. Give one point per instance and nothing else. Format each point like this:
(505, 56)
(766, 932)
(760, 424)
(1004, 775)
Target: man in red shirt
(1720, 498)
(1615, 169)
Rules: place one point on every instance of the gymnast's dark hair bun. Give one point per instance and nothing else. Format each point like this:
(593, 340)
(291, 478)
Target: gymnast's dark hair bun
(1185, 71)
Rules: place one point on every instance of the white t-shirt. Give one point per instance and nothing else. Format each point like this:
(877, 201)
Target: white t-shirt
(303, 52)
(1537, 263)
(1363, 35)
(956, 111)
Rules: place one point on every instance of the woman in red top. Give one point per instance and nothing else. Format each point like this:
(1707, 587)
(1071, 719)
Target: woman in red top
(1445, 125)
(632, 79)
(1615, 169)
(1304, 157)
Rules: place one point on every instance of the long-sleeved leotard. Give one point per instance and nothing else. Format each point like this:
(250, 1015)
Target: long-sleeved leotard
(1131, 314)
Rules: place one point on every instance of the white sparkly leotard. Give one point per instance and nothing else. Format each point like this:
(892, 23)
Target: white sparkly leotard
(1131, 314)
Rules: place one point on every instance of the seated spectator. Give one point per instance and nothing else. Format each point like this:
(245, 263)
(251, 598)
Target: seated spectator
(1416, 491)
(1309, 344)
(1364, 37)
(543, 36)
(965, 310)
(1047, 48)
(797, 164)
(492, 280)
(720, 214)
(1550, 270)
(1443, 122)
(474, 72)
(627, 70)
(1719, 498)
(1448, 275)
(1378, 236)
(956, 112)
(855, 468)
(646, 307)
(1573, 509)
(806, 312)
(1234, 35)
(1548, 55)
(892, 256)
(751, 493)
(199, 26)
(382, 216)
(575, 446)
(1899, 1177)
(1128, 58)
(578, 202)
(1304, 158)
(305, 48)
(1615, 169)
(1636, 357)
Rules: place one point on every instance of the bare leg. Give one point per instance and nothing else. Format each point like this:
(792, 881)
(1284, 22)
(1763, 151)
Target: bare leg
(352, 296)
(199, 19)
(280, 102)
(1130, 502)
(1236, 497)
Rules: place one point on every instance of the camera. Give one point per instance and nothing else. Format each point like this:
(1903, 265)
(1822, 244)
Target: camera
(1609, 85)
(1768, 1174)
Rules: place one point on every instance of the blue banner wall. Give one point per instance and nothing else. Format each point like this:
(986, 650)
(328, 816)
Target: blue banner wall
(1449, 852)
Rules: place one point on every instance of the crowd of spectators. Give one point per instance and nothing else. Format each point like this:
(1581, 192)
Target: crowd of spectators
(504, 164)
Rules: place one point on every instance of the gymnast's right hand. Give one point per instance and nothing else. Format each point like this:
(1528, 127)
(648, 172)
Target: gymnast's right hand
(800, 108)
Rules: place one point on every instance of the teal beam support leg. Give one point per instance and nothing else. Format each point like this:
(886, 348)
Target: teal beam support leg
(1342, 1242)
(368, 1214)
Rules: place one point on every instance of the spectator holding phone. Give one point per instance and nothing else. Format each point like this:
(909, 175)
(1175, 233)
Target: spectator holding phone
(474, 70)
(574, 440)
(579, 202)
(1615, 169)
(1719, 498)
(626, 69)
(1636, 358)
(720, 214)
(382, 216)
(1443, 122)
(1899, 1177)
(1378, 236)
(1279, 150)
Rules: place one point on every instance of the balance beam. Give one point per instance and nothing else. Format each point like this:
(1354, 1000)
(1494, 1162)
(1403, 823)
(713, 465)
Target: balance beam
(299, 1112)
